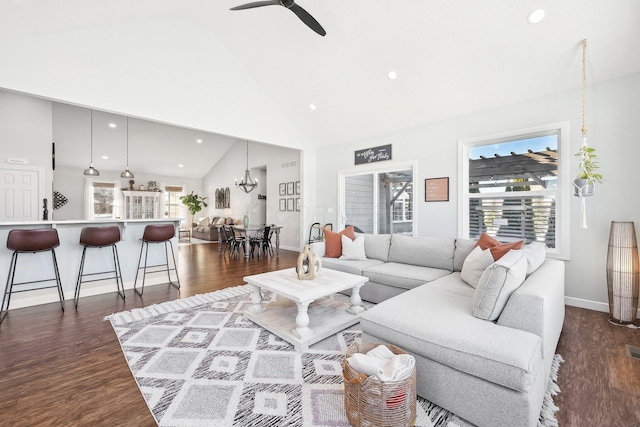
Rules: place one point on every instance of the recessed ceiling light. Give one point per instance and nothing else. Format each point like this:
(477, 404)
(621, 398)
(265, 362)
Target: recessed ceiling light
(180, 165)
(105, 157)
(392, 75)
(536, 16)
(112, 125)
(199, 141)
(313, 107)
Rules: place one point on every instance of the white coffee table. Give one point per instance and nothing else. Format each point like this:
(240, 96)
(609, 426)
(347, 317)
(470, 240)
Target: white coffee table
(308, 313)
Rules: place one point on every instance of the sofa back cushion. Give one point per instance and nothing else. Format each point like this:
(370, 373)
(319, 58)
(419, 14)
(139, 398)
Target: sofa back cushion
(497, 283)
(376, 246)
(333, 241)
(463, 249)
(434, 252)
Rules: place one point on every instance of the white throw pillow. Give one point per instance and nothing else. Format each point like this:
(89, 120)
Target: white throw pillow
(220, 221)
(203, 222)
(535, 252)
(353, 249)
(497, 283)
(475, 264)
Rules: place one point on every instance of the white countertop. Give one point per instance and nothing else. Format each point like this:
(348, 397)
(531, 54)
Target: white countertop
(86, 221)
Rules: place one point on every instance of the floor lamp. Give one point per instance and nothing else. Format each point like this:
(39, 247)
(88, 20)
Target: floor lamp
(623, 278)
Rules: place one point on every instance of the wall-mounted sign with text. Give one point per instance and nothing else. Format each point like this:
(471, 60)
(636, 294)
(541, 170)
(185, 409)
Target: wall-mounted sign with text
(374, 154)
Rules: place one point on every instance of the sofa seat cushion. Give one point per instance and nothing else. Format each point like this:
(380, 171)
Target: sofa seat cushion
(436, 322)
(202, 229)
(404, 276)
(349, 266)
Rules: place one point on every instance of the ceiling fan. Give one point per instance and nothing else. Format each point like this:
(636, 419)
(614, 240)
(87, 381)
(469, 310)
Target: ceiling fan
(293, 7)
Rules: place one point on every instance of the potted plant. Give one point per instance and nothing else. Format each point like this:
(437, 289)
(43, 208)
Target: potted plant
(194, 203)
(586, 177)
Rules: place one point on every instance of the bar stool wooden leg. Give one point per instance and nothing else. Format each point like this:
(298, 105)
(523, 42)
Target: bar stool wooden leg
(76, 296)
(116, 263)
(144, 273)
(6, 298)
(173, 255)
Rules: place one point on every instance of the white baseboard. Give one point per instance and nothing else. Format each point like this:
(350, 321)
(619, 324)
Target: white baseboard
(49, 295)
(590, 305)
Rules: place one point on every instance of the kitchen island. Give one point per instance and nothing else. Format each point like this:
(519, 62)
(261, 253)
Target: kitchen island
(38, 266)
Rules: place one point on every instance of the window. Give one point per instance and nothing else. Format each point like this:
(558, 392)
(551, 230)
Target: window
(402, 196)
(513, 187)
(173, 207)
(101, 200)
(378, 200)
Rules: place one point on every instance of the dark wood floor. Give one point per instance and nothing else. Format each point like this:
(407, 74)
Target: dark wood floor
(67, 369)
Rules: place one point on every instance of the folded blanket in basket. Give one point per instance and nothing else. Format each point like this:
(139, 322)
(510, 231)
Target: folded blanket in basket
(383, 364)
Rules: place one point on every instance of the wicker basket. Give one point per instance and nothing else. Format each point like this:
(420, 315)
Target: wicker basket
(370, 402)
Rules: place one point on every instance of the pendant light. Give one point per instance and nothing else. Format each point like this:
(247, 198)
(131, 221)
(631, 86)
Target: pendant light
(247, 184)
(91, 171)
(127, 173)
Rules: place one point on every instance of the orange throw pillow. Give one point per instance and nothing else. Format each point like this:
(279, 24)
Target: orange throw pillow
(333, 242)
(498, 250)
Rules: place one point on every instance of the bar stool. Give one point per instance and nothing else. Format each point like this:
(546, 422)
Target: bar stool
(25, 241)
(157, 233)
(100, 237)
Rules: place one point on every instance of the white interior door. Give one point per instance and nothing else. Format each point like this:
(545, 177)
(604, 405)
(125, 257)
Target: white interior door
(19, 189)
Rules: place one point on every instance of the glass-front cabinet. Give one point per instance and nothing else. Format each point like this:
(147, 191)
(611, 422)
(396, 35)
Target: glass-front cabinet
(141, 204)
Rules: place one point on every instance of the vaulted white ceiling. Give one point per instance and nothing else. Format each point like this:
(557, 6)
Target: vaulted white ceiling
(253, 73)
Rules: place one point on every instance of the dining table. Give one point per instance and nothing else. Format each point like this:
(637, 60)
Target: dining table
(248, 232)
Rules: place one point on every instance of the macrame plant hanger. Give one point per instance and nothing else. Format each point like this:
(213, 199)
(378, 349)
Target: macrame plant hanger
(585, 130)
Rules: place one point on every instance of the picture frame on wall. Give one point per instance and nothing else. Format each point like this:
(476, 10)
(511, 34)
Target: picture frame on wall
(297, 188)
(436, 189)
(290, 188)
(290, 204)
(298, 204)
(283, 205)
(283, 189)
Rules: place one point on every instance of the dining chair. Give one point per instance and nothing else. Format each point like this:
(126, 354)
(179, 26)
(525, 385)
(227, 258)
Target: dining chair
(261, 240)
(237, 240)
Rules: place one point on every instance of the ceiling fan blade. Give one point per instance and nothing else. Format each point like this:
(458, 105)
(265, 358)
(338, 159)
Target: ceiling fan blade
(308, 19)
(257, 4)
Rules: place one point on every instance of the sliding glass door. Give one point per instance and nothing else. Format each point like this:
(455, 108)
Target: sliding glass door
(378, 201)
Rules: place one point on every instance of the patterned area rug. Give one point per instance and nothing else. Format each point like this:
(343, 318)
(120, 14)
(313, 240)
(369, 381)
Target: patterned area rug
(199, 362)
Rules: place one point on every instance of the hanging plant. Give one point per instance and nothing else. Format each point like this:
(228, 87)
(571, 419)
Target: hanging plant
(586, 176)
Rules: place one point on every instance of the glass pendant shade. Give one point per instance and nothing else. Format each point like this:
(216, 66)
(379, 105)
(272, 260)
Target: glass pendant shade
(127, 174)
(623, 277)
(91, 171)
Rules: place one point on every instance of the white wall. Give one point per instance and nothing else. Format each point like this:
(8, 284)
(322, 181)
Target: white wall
(70, 182)
(612, 116)
(89, 67)
(25, 133)
(232, 166)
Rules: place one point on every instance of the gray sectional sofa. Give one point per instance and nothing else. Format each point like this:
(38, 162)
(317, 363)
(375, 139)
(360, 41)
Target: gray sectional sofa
(491, 373)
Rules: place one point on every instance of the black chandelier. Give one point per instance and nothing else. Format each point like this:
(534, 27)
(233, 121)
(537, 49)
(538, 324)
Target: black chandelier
(246, 184)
